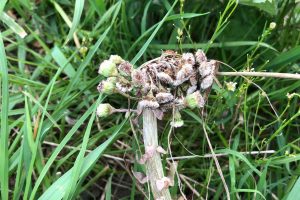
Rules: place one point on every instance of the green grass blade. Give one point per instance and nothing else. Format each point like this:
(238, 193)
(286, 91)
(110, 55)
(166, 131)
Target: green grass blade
(58, 188)
(76, 18)
(4, 123)
(294, 193)
(145, 46)
(284, 58)
(10, 22)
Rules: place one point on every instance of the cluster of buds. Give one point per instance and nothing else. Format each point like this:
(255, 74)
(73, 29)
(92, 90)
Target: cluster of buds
(169, 82)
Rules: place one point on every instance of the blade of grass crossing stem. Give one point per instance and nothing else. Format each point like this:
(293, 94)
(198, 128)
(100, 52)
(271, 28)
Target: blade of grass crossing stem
(61, 146)
(79, 160)
(144, 18)
(2, 5)
(57, 190)
(79, 4)
(294, 193)
(4, 122)
(145, 46)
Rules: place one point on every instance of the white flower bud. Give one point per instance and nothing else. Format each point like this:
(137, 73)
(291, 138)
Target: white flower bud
(207, 82)
(231, 86)
(272, 25)
(116, 59)
(194, 100)
(104, 110)
(108, 68)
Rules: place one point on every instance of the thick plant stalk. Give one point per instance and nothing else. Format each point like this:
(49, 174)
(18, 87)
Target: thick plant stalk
(154, 169)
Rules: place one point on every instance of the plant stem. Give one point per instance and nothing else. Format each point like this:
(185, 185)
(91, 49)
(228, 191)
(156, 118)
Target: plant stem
(261, 74)
(154, 169)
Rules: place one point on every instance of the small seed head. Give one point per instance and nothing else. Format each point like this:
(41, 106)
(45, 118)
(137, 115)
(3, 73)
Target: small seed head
(104, 110)
(108, 69)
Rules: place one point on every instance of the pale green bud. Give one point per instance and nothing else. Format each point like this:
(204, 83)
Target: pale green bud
(178, 122)
(104, 110)
(107, 86)
(194, 100)
(116, 59)
(108, 68)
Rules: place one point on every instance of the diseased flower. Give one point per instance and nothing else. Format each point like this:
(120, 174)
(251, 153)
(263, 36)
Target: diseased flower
(104, 110)
(194, 100)
(140, 177)
(123, 87)
(184, 74)
(191, 89)
(116, 59)
(107, 86)
(125, 68)
(164, 97)
(188, 58)
(207, 68)
(108, 68)
(231, 86)
(146, 104)
(138, 77)
(165, 78)
(207, 82)
(200, 56)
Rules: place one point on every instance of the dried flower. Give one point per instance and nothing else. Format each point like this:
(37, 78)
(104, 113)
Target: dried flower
(104, 110)
(194, 100)
(116, 59)
(200, 56)
(207, 68)
(231, 86)
(191, 89)
(164, 78)
(146, 104)
(107, 86)
(108, 68)
(138, 77)
(140, 177)
(163, 183)
(164, 97)
(188, 58)
(125, 68)
(207, 82)
(184, 74)
(123, 87)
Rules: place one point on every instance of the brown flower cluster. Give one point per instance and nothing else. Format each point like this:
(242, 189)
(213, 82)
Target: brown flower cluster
(170, 81)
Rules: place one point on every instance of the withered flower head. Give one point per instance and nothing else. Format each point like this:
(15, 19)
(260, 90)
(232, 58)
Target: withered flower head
(200, 56)
(164, 97)
(188, 58)
(125, 68)
(184, 73)
(207, 82)
(194, 100)
(138, 77)
(207, 68)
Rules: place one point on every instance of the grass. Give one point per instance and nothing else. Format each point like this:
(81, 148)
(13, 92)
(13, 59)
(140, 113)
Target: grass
(49, 56)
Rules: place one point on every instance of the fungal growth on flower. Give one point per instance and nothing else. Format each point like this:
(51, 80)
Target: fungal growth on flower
(169, 83)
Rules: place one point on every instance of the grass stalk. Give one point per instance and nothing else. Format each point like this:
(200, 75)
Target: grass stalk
(154, 169)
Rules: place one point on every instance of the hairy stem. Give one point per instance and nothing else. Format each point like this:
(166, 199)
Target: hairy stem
(154, 169)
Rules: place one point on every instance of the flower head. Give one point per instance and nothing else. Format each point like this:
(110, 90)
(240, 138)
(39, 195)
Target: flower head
(125, 68)
(272, 25)
(108, 69)
(200, 56)
(194, 100)
(178, 122)
(231, 86)
(104, 110)
(107, 86)
(188, 58)
(207, 82)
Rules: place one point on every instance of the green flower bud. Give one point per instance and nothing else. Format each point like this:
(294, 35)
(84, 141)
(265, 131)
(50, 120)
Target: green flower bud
(104, 110)
(108, 68)
(194, 100)
(116, 59)
(178, 122)
(107, 86)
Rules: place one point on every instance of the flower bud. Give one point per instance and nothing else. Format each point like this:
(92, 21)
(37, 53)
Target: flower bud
(107, 86)
(231, 86)
(207, 68)
(207, 82)
(200, 56)
(164, 97)
(178, 122)
(272, 25)
(194, 100)
(108, 68)
(116, 59)
(104, 110)
(184, 74)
